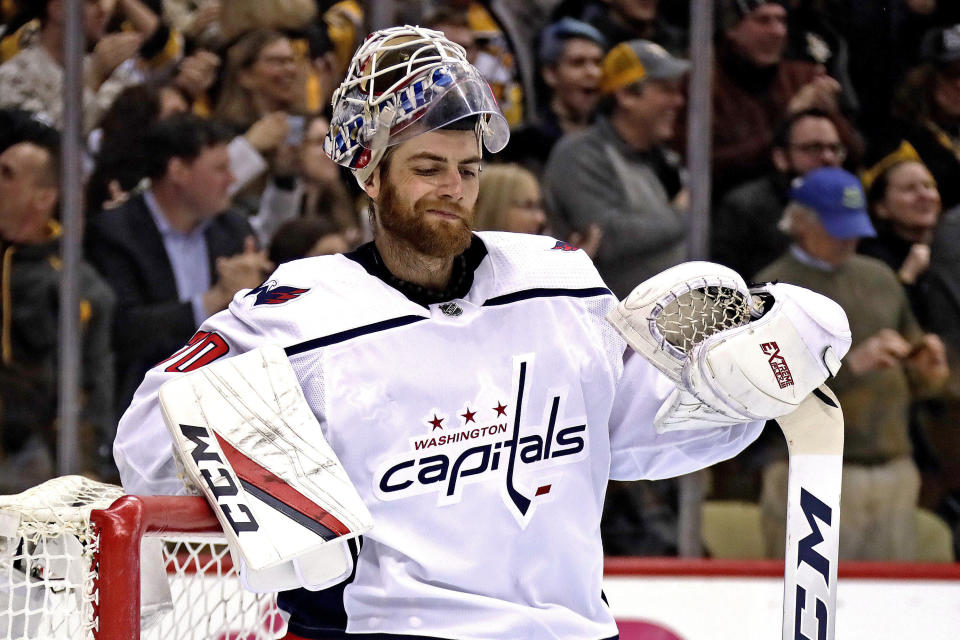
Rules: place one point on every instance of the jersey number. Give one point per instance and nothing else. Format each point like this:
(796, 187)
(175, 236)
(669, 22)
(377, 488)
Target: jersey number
(204, 347)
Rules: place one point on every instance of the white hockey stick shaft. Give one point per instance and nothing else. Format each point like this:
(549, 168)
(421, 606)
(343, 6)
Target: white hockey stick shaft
(814, 433)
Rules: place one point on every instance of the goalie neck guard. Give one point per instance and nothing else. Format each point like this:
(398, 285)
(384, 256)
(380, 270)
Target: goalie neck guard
(402, 82)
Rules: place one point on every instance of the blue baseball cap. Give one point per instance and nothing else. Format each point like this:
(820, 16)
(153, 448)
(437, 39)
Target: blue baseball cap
(553, 38)
(838, 200)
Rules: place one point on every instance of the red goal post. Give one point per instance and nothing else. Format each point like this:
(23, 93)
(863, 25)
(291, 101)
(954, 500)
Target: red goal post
(71, 553)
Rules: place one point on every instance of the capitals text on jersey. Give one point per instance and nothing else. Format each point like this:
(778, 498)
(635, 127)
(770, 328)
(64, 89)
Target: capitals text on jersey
(493, 457)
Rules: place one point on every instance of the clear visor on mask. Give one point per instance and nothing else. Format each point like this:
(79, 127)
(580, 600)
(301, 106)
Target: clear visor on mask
(450, 93)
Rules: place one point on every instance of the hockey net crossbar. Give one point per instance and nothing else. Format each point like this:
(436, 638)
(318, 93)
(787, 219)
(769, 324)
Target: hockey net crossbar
(71, 553)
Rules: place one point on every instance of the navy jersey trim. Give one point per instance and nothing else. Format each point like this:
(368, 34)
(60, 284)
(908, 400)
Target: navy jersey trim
(517, 296)
(350, 334)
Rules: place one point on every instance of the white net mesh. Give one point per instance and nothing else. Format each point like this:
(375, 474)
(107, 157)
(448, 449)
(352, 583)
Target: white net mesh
(207, 599)
(47, 575)
(46, 549)
(699, 312)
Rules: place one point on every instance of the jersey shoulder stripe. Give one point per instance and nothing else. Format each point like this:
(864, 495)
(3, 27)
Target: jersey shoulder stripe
(546, 293)
(307, 291)
(528, 263)
(343, 336)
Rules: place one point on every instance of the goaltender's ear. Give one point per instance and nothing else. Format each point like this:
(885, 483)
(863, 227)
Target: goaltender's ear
(372, 185)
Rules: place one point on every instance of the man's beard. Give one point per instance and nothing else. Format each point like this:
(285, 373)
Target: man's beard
(428, 235)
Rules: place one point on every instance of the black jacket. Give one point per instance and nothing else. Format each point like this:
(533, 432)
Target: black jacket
(29, 381)
(126, 247)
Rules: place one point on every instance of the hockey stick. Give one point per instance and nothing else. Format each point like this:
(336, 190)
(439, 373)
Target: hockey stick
(814, 433)
(718, 340)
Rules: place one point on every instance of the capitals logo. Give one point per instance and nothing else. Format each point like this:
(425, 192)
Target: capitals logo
(270, 293)
(565, 246)
(525, 461)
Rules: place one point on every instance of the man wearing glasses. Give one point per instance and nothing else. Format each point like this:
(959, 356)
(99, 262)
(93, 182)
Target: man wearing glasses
(745, 235)
(756, 86)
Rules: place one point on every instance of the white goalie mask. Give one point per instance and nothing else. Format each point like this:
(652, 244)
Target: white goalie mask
(402, 82)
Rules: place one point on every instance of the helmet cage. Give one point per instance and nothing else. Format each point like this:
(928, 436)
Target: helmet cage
(429, 84)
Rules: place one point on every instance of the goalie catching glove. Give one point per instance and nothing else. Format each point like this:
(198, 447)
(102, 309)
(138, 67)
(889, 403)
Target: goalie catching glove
(736, 354)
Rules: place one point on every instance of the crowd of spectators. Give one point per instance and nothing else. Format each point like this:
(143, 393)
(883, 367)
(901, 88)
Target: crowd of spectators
(835, 165)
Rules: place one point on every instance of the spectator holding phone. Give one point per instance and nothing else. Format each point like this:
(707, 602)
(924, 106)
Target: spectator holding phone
(307, 184)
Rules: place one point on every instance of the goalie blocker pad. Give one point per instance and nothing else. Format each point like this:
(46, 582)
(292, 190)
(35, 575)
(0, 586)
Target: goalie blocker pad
(247, 439)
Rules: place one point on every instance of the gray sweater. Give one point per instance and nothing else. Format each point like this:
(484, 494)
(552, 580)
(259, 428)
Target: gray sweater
(593, 177)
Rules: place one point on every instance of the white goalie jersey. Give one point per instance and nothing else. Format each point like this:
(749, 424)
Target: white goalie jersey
(480, 432)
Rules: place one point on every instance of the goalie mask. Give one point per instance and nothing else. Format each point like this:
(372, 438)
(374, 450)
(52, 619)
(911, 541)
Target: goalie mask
(402, 82)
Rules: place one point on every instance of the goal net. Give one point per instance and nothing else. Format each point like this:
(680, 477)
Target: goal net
(79, 560)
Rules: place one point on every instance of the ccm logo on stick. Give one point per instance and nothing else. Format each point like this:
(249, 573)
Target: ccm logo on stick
(224, 489)
(813, 509)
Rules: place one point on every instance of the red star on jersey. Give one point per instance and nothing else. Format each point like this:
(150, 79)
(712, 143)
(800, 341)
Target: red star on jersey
(501, 409)
(436, 422)
(468, 416)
